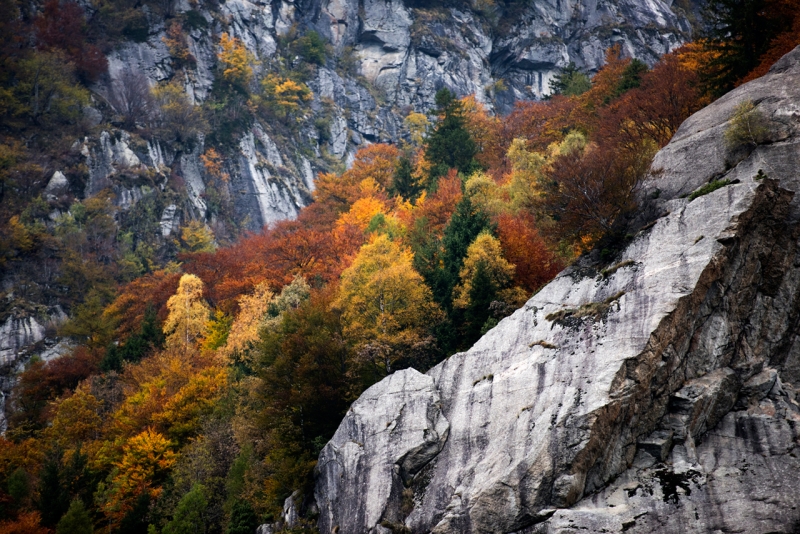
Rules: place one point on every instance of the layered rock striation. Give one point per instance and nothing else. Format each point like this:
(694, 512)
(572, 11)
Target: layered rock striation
(651, 394)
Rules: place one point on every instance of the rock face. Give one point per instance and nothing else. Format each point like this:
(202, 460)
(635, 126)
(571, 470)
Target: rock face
(397, 55)
(652, 395)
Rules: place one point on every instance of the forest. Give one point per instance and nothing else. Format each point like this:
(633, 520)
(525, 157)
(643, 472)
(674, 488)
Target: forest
(204, 380)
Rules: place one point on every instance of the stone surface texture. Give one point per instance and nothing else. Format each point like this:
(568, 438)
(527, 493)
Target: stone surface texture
(399, 57)
(652, 394)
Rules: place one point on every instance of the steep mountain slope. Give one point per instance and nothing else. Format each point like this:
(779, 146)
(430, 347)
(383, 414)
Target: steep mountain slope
(652, 394)
(386, 59)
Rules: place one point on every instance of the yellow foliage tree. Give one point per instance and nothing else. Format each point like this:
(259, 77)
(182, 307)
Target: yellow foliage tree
(235, 61)
(386, 306)
(261, 310)
(486, 250)
(176, 43)
(181, 413)
(284, 95)
(253, 309)
(188, 314)
(417, 124)
(146, 457)
(212, 161)
(197, 237)
(484, 193)
(76, 422)
(361, 213)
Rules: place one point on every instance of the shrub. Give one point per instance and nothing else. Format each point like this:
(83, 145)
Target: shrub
(708, 188)
(747, 126)
(310, 47)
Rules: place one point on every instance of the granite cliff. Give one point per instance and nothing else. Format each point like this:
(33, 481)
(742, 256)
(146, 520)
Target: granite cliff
(654, 393)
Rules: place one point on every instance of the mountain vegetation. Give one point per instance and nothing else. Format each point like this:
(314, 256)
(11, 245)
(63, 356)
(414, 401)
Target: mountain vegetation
(204, 380)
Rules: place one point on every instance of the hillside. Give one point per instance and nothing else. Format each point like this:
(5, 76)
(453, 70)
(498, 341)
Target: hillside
(239, 126)
(226, 228)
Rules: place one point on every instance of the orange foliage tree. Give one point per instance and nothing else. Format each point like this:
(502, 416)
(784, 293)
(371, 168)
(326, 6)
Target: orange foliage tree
(526, 248)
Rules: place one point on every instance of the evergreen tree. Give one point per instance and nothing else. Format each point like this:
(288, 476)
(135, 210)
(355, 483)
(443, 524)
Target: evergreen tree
(404, 183)
(189, 516)
(740, 31)
(243, 518)
(631, 77)
(482, 292)
(466, 223)
(149, 337)
(76, 520)
(570, 81)
(135, 521)
(52, 500)
(449, 145)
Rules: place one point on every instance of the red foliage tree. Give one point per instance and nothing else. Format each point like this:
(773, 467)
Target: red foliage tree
(667, 95)
(62, 25)
(526, 249)
(43, 382)
(129, 307)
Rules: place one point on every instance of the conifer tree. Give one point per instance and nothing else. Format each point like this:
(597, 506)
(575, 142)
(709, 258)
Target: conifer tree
(449, 145)
(76, 520)
(189, 516)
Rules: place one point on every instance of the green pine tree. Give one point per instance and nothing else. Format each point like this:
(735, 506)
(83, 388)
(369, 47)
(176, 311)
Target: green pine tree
(483, 291)
(570, 81)
(404, 183)
(243, 518)
(76, 520)
(449, 145)
(189, 516)
(740, 31)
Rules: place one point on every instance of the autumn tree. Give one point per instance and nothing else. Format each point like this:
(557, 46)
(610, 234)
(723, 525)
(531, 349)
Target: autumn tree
(284, 96)
(386, 306)
(486, 278)
(130, 96)
(372, 172)
(197, 237)
(523, 246)
(149, 292)
(62, 26)
(146, 459)
(188, 314)
(175, 40)
(179, 121)
(235, 61)
(591, 188)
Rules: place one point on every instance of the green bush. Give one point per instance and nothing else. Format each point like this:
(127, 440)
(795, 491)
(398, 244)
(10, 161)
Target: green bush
(747, 126)
(708, 188)
(310, 47)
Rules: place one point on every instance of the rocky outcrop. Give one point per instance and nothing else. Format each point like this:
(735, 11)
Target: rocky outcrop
(639, 396)
(385, 59)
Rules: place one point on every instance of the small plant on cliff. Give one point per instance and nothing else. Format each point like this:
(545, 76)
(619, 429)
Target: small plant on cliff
(708, 188)
(748, 127)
